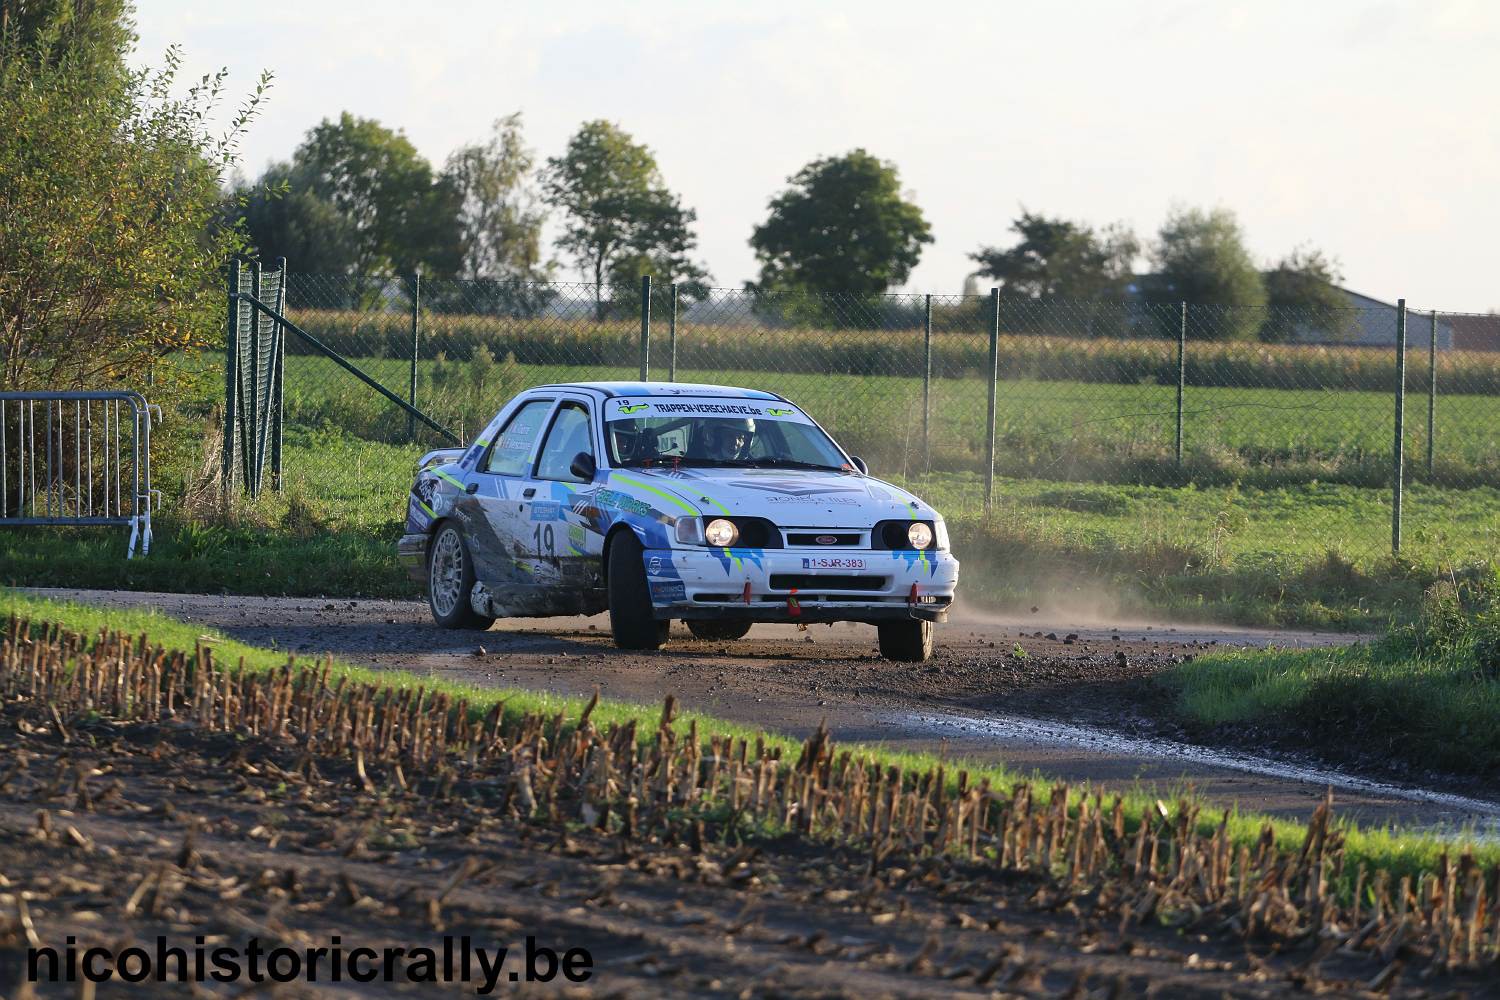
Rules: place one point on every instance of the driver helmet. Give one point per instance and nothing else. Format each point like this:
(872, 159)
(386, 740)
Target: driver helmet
(729, 439)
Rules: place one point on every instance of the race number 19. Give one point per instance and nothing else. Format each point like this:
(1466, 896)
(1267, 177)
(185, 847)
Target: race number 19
(546, 542)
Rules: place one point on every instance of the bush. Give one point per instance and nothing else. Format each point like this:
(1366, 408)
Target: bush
(1459, 622)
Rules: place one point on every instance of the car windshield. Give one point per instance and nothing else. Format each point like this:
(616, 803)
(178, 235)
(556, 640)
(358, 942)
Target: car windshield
(735, 433)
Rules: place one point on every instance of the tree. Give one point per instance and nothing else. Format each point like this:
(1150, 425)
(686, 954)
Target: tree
(500, 217)
(625, 275)
(358, 199)
(663, 265)
(109, 192)
(92, 38)
(617, 206)
(841, 228)
(284, 216)
(1302, 297)
(500, 220)
(1200, 258)
(1058, 259)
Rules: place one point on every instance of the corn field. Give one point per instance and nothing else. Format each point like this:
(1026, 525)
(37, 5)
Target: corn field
(725, 808)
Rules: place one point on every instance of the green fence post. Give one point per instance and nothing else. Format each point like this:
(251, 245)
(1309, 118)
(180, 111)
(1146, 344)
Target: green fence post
(231, 372)
(252, 454)
(645, 327)
(278, 382)
(672, 339)
(1398, 456)
(1181, 376)
(1431, 390)
(994, 377)
(926, 383)
(416, 339)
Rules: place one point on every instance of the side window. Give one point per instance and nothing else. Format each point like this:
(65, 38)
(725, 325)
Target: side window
(568, 436)
(513, 445)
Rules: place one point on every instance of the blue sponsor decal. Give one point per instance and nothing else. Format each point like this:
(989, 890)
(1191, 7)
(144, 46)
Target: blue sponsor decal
(546, 510)
(621, 501)
(916, 557)
(668, 592)
(735, 559)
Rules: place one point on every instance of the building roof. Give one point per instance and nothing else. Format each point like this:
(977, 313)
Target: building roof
(1475, 331)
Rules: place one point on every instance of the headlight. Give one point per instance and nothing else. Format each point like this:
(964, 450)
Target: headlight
(721, 533)
(919, 535)
(942, 535)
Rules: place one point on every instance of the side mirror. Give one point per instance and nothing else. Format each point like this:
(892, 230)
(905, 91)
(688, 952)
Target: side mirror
(859, 463)
(583, 466)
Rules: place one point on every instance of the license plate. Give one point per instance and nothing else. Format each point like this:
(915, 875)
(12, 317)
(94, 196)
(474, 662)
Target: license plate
(833, 562)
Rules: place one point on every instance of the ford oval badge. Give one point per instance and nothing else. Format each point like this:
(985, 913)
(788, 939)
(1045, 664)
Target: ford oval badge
(827, 539)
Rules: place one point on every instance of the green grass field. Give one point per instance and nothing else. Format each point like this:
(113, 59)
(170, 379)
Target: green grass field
(1056, 430)
(1292, 555)
(1280, 513)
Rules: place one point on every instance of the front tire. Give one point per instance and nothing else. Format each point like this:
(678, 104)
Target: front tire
(450, 581)
(713, 631)
(906, 642)
(631, 617)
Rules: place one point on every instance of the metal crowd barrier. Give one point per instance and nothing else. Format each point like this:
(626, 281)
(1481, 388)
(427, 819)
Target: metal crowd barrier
(77, 458)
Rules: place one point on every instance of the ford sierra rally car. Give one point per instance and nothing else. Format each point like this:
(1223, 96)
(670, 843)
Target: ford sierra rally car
(659, 501)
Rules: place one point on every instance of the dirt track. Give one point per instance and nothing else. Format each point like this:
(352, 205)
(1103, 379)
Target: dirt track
(788, 680)
(119, 833)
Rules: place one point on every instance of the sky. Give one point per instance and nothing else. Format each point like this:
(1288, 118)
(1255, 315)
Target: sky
(1366, 129)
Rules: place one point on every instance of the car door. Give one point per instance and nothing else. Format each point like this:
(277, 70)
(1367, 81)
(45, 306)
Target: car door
(496, 521)
(565, 540)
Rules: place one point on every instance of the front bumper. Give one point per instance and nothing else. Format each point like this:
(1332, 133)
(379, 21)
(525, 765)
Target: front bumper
(801, 585)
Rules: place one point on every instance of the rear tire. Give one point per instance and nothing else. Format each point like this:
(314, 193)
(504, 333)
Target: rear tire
(450, 580)
(906, 642)
(631, 619)
(716, 631)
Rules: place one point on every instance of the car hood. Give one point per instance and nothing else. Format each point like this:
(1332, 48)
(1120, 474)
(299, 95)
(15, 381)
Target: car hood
(793, 498)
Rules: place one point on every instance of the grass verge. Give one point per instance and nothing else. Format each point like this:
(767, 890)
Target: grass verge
(1243, 556)
(1427, 693)
(1398, 853)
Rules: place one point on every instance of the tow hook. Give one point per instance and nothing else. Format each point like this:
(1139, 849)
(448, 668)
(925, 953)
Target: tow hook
(747, 591)
(792, 607)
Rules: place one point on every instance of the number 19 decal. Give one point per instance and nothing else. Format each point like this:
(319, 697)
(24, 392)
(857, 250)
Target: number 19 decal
(546, 542)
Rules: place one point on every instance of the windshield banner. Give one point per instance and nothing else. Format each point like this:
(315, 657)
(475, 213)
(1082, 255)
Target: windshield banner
(664, 408)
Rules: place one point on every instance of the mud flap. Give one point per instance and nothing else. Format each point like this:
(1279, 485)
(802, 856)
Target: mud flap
(479, 600)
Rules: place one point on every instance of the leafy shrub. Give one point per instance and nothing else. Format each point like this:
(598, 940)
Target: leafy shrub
(1457, 621)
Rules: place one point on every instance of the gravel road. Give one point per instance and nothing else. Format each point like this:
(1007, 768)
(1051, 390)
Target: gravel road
(1091, 683)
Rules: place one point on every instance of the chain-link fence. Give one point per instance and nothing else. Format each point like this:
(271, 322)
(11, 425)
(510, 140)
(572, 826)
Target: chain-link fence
(1156, 420)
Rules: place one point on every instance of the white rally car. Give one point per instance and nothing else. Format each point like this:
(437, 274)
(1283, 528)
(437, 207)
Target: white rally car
(655, 501)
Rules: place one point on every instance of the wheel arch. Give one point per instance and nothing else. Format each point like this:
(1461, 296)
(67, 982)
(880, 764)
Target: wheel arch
(615, 531)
